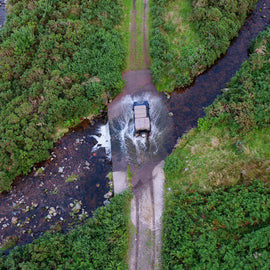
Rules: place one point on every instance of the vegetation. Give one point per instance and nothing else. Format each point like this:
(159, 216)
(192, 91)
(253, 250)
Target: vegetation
(218, 203)
(188, 36)
(72, 178)
(59, 61)
(227, 229)
(127, 8)
(101, 243)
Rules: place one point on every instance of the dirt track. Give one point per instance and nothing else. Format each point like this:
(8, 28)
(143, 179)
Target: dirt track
(139, 43)
(148, 180)
(146, 216)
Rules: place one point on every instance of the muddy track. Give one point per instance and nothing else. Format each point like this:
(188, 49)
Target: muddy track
(146, 216)
(146, 55)
(148, 176)
(139, 42)
(147, 203)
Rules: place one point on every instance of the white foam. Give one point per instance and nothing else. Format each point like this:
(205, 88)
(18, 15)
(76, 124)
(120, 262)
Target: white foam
(122, 128)
(103, 141)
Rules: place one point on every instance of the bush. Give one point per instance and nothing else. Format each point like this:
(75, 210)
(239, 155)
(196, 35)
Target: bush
(101, 243)
(196, 33)
(59, 61)
(227, 229)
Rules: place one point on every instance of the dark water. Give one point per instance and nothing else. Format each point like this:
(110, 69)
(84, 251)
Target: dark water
(2, 12)
(30, 203)
(24, 211)
(188, 106)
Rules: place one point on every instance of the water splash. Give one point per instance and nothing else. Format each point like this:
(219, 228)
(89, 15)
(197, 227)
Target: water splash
(103, 140)
(138, 149)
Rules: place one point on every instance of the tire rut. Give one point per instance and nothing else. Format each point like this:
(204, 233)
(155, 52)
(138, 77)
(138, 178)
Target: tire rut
(146, 209)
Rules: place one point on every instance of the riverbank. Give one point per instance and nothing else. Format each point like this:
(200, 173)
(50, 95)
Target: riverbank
(217, 180)
(59, 64)
(189, 36)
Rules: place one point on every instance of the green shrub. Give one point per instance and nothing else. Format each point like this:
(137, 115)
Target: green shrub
(59, 62)
(101, 243)
(217, 209)
(227, 229)
(196, 33)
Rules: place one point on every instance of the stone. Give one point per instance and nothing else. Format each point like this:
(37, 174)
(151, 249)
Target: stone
(78, 206)
(14, 220)
(35, 205)
(52, 211)
(106, 202)
(87, 163)
(61, 169)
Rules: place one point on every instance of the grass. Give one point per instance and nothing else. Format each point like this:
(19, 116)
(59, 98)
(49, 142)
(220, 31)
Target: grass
(181, 35)
(72, 178)
(9, 243)
(125, 29)
(230, 143)
(140, 37)
(212, 158)
(188, 36)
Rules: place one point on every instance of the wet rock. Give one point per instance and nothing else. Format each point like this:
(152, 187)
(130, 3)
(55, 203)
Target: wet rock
(52, 211)
(108, 195)
(35, 205)
(14, 220)
(106, 202)
(77, 206)
(27, 209)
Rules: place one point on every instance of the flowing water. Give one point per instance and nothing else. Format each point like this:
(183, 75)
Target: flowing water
(188, 105)
(138, 150)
